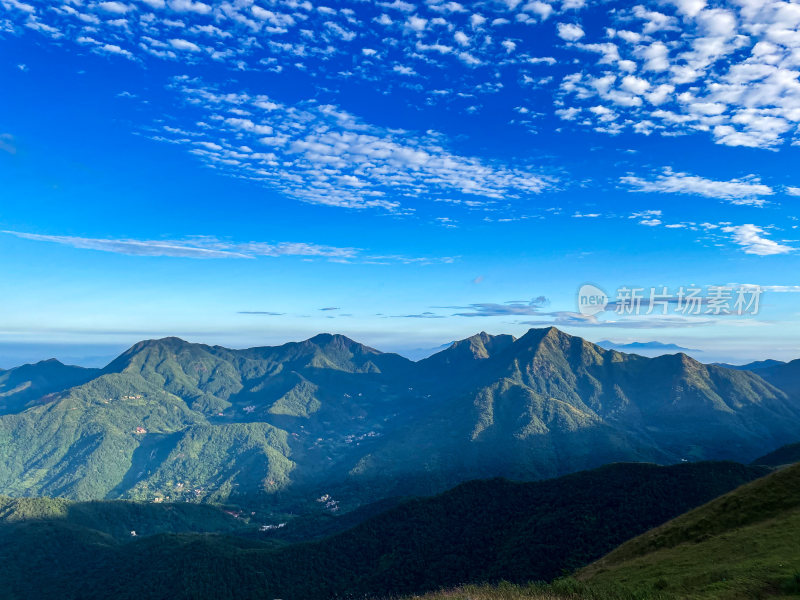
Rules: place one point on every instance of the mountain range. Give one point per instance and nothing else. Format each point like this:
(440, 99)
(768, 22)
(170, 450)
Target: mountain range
(331, 418)
(645, 348)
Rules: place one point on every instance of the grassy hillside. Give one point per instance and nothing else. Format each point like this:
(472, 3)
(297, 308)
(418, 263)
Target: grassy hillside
(492, 530)
(565, 589)
(742, 545)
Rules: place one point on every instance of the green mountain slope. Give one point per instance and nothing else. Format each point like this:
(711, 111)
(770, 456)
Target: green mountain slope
(23, 384)
(742, 545)
(549, 403)
(495, 530)
(479, 531)
(171, 420)
(81, 443)
(212, 461)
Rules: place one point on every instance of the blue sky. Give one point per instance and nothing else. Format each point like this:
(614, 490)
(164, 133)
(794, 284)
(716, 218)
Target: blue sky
(226, 171)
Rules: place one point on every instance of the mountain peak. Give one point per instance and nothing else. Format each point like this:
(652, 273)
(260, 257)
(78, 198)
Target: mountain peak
(327, 338)
(477, 347)
(538, 335)
(337, 341)
(555, 333)
(143, 351)
(679, 357)
(50, 361)
(166, 341)
(170, 343)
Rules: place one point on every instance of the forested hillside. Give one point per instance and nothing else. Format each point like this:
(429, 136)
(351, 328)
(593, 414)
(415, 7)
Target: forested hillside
(480, 531)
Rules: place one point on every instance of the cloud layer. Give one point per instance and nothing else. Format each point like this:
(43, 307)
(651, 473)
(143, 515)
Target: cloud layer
(749, 190)
(729, 70)
(321, 154)
(213, 248)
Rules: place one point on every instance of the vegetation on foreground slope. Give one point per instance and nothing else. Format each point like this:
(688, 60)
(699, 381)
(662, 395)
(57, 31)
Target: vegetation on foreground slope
(741, 546)
(745, 544)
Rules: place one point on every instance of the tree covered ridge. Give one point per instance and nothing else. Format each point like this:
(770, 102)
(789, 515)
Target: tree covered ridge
(480, 531)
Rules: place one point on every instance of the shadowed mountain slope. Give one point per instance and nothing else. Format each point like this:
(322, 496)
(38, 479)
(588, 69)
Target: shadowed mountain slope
(23, 384)
(479, 531)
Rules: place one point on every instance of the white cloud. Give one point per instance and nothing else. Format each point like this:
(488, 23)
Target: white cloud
(781, 289)
(477, 20)
(321, 154)
(398, 5)
(733, 72)
(114, 49)
(135, 247)
(20, 6)
(509, 46)
(542, 9)
(118, 8)
(792, 191)
(752, 239)
(749, 190)
(7, 143)
(729, 71)
(180, 44)
(690, 7)
(649, 218)
(415, 23)
(461, 38)
(189, 6)
(205, 247)
(635, 85)
(404, 70)
(570, 32)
